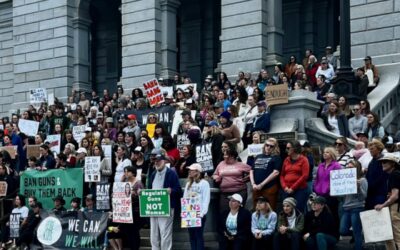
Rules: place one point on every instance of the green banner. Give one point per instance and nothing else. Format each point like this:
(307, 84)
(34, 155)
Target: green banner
(154, 203)
(45, 185)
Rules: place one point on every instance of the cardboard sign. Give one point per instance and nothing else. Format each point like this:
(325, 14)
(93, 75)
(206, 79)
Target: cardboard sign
(3, 188)
(12, 150)
(54, 143)
(15, 220)
(38, 95)
(153, 92)
(343, 181)
(154, 203)
(78, 132)
(122, 203)
(33, 150)
(376, 225)
(92, 168)
(204, 156)
(45, 185)
(255, 149)
(276, 94)
(28, 127)
(190, 212)
(103, 196)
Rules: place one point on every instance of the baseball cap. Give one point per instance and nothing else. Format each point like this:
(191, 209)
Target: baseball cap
(81, 150)
(236, 197)
(196, 167)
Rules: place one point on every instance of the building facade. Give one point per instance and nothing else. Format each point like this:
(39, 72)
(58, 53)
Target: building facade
(62, 45)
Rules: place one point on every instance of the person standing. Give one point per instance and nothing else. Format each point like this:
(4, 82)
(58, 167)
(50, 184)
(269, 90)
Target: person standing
(196, 186)
(161, 227)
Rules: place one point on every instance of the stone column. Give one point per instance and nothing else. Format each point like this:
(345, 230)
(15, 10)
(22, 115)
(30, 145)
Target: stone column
(168, 38)
(81, 54)
(274, 33)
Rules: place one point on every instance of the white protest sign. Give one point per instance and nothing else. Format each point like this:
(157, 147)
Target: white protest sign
(28, 127)
(121, 202)
(50, 98)
(190, 212)
(255, 149)
(38, 95)
(204, 156)
(178, 119)
(343, 181)
(169, 90)
(153, 92)
(54, 143)
(376, 225)
(92, 168)
(186, 85)
(78, 132)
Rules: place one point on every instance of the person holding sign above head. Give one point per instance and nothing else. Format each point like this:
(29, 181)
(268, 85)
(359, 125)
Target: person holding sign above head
(161, 227)
(263, 223)
(264, 175)
(197, 187)
(235, 225)
(391, 165)
(352, 205)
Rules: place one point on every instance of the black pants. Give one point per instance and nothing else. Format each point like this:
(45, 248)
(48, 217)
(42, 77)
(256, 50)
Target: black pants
(287, 241)
(263, 243)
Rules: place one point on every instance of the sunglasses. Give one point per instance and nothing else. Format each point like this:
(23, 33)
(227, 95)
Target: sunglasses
(269, 145)
(287, 148)
(356, 110)
(338, 143)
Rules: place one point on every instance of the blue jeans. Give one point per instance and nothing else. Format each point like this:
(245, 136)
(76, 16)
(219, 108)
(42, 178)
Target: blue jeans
(320, 241)
(196, 236)
(301, 196)
(351, 218)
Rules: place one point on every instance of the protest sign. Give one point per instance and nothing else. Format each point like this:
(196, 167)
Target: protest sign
(33, 150)
(186, 85)
(164, 113)
(154, 203)
(45, 185)
(204, 156)
(54, 143)
(178, 119)
(38, 95)
(28, 127)
(12, 150)
(277, 94)
(107, 150)
(78, 132)
(103, 196)
(79, 230)
(153, 92)
(121, 202)
(50, 98)
(190, 212)
(168, 89)
(376, 225)
(255, 149)
(343, 181)
(181, 141)
(92, 168)
(15, 219)
(3, 188)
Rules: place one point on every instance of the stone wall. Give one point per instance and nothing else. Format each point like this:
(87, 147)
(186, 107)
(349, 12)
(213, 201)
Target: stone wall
(375, 31)
(43, 46)
(6, 58)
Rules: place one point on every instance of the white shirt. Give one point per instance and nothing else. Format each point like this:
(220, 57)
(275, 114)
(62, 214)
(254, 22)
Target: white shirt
(21, 210)
(332, 120)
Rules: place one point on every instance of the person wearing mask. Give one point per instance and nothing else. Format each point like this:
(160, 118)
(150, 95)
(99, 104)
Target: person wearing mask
(376, 177)
(234, 225)
(264, 175)
(197, 187)
(263, 224)
(290, 226)
(358, 123)
(162, 227)
(352, 205)
(319, 226)
(294, 175)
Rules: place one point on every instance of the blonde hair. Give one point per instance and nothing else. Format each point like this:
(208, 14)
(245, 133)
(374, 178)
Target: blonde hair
(332, 152)
(269, 210)
(275, 150)
(376, 143)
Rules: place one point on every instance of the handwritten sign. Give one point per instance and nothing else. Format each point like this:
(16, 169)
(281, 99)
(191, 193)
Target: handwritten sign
(54, 143)
(122, 204)
(78, 132)
(103, 196)
(153, 92)
(33, 150)
(204, 156)
(92, 168)
(343, 181)
(28, 127)
(3, 188)
(376, 225)
(190, 212)
(154, 203)
(38, 95)
(255, 149)
(277, 94)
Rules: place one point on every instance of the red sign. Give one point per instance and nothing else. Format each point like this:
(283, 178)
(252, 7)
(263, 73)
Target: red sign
(153, 92)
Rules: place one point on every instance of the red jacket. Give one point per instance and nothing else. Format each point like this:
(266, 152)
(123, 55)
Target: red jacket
(294, 175)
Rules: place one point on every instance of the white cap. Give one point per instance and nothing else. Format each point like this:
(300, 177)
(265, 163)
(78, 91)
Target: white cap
(138, 149)
(81, 150)
(88, 129)
(236, 197)
(196, 167)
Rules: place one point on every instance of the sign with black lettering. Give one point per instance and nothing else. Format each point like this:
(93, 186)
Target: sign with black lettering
(277, 94)
(204, 156)
(92, 168)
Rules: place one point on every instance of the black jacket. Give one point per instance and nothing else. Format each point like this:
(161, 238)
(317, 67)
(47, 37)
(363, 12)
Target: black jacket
(243, 224)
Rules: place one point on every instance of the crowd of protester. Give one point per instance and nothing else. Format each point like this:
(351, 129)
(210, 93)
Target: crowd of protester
(291, 205)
